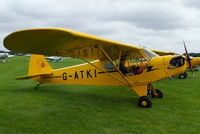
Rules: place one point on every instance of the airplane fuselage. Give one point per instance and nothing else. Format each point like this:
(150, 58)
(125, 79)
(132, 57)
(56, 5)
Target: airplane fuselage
(85, 74)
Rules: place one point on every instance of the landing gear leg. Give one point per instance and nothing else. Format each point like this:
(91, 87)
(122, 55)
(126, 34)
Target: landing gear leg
(154, 92)
(144, 101)
(183, 76)
(36, 87)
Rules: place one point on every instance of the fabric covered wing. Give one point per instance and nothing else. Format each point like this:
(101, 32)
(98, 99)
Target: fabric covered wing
(162, 53)
(67, 43)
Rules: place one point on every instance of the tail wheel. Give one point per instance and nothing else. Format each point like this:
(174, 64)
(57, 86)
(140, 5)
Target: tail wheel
(144, 102)
(157, 93)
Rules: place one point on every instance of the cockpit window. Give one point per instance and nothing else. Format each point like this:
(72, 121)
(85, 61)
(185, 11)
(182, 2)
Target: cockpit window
(149, 54)
(108, 65)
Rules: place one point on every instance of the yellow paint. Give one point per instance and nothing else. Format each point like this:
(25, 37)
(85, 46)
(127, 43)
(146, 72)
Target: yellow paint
(66, 43)
(163, 53)
(141, 90)
(144, 103)
(195, 61)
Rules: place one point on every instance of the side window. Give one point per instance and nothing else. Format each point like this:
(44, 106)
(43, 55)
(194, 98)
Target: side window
(108, 65)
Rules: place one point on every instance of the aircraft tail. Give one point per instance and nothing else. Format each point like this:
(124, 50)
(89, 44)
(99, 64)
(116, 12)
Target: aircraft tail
(38, 66)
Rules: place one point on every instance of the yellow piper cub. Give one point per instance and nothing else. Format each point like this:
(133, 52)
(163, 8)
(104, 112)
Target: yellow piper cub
(195, 61)
(111, 66)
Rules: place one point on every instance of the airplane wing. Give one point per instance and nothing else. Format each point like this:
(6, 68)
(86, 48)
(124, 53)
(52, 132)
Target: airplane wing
(161, 53)
(67, 43)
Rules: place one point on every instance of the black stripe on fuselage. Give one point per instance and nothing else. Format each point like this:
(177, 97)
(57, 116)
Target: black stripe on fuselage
(108, 72)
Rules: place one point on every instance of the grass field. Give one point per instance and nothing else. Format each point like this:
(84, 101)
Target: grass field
(67, 109)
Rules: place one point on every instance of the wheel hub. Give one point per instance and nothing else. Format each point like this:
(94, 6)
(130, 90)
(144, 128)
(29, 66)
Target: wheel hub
(144, 103)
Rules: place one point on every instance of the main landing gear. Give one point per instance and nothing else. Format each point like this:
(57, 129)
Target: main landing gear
(183, 76)
(156, 93)
(145, 101)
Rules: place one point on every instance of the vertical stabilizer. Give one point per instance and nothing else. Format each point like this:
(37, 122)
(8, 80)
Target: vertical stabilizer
(38, 65)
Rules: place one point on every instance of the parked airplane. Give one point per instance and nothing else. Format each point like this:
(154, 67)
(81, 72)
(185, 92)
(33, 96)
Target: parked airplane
(112, 65)
(3, 58)
(54, 58)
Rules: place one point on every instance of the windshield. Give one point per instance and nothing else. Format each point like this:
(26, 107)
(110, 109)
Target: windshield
(149, 54)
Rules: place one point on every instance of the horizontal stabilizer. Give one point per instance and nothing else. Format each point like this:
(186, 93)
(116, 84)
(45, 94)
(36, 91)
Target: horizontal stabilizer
(33, 76)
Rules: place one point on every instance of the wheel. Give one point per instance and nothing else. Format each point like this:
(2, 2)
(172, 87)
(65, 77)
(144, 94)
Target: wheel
(157, 93)
(144, 102)
(183, 76)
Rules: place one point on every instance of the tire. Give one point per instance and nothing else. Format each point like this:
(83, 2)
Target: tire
(196, 69)
(157, 94)
(182, 76)
(144, 102)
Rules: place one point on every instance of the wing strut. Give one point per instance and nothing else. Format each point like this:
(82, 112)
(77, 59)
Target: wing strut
(114, 65)
(120, 54)
(104, 71)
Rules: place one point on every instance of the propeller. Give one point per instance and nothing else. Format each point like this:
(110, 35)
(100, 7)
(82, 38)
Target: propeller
(188, 57)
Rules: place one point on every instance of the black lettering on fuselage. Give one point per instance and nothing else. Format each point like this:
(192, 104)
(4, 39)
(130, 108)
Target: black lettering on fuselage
(76, 75)
(95, 73)
(64, 76)
(82, 73)
(88, 74)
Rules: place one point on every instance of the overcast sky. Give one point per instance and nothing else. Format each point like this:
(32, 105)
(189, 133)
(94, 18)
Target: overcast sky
(155, 24)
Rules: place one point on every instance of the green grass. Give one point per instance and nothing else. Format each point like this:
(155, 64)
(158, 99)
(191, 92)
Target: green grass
(67, 109)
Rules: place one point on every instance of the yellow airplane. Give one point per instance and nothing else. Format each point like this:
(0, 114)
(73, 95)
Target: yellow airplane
(111, 65)
(192, 66)
(195, 61)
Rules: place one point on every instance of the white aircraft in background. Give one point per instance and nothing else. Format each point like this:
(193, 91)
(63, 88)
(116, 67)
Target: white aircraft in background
(4, 56)
(54, 58)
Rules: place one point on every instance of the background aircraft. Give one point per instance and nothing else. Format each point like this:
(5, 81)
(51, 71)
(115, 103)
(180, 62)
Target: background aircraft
(54, 58)
(192, 65)
(3, 58)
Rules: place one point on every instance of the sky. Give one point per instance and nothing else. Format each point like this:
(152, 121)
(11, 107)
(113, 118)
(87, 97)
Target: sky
(155, 24)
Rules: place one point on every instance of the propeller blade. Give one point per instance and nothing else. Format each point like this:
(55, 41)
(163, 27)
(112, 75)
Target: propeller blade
(188, 57)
